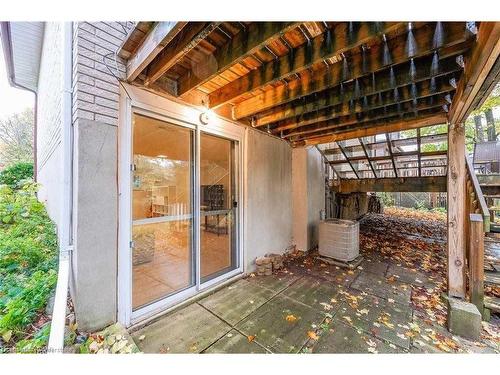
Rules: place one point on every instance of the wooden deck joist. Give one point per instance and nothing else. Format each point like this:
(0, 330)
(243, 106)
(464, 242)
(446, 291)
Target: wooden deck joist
(325, 46)
(389, 127)
(335, 74)
(401, 184)
(310, 82)
(246, 42)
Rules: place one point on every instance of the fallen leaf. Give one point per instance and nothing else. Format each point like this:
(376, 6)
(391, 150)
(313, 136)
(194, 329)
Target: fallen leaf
(312, 335)
(291, 318)
(250, 338)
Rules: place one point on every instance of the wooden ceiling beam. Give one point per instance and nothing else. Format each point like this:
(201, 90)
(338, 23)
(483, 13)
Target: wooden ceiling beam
(485, 53)
(189, 37)
(344, 109)
(401, 184)
(389, 127)
(155, 41)
(334, 75)
(246, 42)
(356, 119)
(331, 43)
(332, 102)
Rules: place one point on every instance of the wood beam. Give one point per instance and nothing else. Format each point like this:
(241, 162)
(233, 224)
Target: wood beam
(347, 158)
(456, 206)
(159, 36)
(246, 42)
(331, 43)
(360, 140)
(358, 119)
(389, 148)
(401, 184)
(335, 74)
(374, 102)
(484, 55)
(433, 119)
(189, 38)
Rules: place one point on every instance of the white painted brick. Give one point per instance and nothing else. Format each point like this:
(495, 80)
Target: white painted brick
(93, 90)
(98, 109)
(105, 85)
(81, 114)
(106, 102)
(107, 120)
(114, 32)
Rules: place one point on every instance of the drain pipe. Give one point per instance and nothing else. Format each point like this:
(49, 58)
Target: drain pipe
(56, 339)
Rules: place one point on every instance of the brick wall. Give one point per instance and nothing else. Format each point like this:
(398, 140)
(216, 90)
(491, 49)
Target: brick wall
(95, 87)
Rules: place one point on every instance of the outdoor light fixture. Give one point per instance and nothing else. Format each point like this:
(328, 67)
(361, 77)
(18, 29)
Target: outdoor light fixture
(206, 117)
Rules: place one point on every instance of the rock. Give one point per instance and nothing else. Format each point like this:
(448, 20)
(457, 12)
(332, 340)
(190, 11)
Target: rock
(464, 319)
(81, 338)
(50, 305)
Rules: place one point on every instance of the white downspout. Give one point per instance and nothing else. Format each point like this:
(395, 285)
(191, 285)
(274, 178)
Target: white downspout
(56, 339)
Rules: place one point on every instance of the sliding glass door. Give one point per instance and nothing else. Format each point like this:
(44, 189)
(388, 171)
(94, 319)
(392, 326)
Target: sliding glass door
(218, 206)
(162, 210)
(180, 243)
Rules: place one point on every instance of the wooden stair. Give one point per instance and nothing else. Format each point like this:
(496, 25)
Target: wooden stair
(492, 269)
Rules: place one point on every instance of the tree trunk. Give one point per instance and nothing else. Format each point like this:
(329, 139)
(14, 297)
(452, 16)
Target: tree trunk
(491, 125)
(479, 129)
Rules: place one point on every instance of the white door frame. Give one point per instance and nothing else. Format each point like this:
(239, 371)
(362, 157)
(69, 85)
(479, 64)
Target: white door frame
(134, 99)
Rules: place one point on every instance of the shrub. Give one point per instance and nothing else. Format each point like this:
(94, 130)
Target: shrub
(28, 262)
(16, 174)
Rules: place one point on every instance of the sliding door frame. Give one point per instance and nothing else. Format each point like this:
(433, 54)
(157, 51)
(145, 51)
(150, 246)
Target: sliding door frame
(135, 100)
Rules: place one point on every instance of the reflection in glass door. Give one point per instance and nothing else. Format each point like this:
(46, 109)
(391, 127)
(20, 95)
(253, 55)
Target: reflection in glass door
(162, 210)
(218, 205)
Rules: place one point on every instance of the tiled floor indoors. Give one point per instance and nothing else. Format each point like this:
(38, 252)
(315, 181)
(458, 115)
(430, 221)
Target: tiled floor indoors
(390, 304)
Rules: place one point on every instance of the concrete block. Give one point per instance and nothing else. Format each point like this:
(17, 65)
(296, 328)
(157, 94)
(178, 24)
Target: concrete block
(464, 319)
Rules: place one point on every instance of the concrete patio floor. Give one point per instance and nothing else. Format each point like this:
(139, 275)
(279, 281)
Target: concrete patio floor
(312, 306)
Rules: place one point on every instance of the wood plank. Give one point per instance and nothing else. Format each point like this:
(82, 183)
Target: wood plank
(358, 119)
(344, 109)
(333, 97)
(159, 36)
(334, 74)
(329, 44)
(476, 260)
(244, 43)
(310, 126)
(434, 119)
(401, 184)
(189, 38)
(456, 214)
(484, 55)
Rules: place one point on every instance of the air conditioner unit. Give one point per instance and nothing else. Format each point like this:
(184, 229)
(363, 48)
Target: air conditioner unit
(339, 239)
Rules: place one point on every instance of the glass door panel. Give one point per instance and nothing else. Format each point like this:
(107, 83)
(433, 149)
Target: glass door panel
(162, 210)
(218, 205)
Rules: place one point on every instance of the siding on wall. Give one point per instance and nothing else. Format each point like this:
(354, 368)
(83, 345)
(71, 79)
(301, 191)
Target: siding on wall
(49, 119)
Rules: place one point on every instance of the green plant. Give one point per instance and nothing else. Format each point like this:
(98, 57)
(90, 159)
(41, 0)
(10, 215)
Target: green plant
(386, 198)
(420, 205)
(28, 262)
(16, 174)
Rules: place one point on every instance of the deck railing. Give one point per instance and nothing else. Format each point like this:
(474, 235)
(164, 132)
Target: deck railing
(477, 222)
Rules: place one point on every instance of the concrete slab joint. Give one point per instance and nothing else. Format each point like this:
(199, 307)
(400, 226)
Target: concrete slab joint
(464, 319)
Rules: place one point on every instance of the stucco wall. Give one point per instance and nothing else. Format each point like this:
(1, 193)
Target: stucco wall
(49, 119)
(268, 196)
(308, 196)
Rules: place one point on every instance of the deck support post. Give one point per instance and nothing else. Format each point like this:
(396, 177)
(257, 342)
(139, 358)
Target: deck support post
(476, 261)
(456, 210)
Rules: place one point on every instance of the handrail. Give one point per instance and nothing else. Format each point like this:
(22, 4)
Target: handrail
(479, 195)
